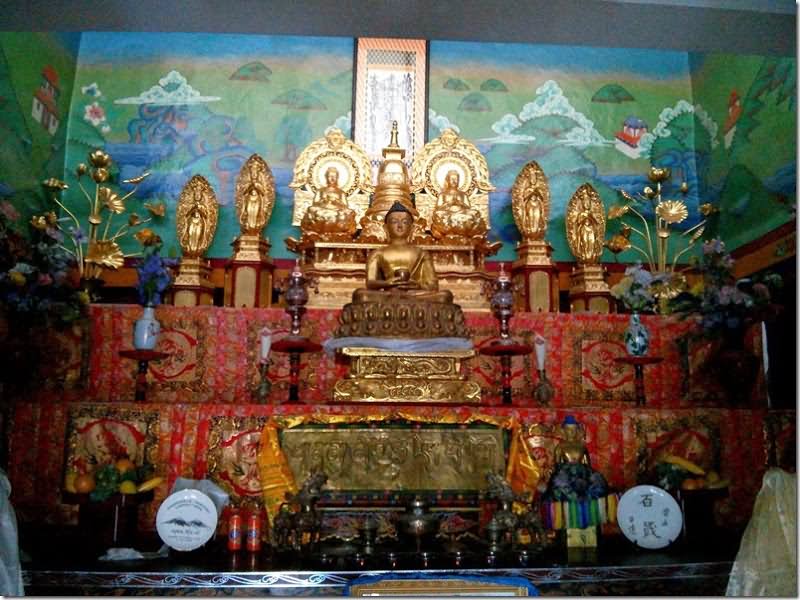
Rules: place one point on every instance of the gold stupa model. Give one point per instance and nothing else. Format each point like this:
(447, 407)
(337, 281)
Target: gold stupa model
(446, 195)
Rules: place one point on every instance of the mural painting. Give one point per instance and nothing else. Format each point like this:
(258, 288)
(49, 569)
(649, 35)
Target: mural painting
(202, 104)
(601, 116)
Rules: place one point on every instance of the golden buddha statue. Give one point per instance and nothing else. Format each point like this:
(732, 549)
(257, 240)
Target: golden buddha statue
(573, 478)
(400, 271)
(255, 195)
(329, 216)
(571, 449)
(393, 187)
(453, 218)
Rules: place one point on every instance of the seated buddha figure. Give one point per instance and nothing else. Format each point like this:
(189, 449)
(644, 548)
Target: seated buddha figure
(453, 218)
(573, 477)
(402, 298)
(329, 216)
(400, 271)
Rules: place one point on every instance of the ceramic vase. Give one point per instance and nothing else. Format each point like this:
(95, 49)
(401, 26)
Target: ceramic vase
(637, 337)
(146, 330)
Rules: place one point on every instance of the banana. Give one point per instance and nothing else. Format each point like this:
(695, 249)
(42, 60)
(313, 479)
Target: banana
(716, 485)
(151, 483)
(687, 465)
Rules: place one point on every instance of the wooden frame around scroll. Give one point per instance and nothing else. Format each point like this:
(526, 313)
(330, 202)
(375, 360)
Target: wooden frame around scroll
(378, 60)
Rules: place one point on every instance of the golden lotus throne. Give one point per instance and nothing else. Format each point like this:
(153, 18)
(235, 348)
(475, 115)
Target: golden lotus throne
(447, 195)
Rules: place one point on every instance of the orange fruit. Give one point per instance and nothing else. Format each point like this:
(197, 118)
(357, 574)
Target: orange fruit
(84, 483)
(127, 487)
(124, 465)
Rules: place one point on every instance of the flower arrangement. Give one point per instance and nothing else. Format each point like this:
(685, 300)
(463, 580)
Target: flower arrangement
(96, 247)
(154, 271)
(35, 287)
(720, 301)
(639, 289)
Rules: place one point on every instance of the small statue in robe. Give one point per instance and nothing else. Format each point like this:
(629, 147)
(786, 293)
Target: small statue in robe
(573, 477)
(400, 271)
(253, 216)
(193, 238)
(453, 217)
(330, 214)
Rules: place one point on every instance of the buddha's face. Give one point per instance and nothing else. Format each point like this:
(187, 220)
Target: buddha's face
(332, 177)
(452, 179)
(398, 225)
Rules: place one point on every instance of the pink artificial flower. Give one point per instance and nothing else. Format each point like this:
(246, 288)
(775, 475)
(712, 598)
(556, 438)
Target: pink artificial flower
(94, 113)
(8, 210)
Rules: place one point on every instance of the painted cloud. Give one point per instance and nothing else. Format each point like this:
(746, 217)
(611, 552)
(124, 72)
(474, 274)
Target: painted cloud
(171, 90)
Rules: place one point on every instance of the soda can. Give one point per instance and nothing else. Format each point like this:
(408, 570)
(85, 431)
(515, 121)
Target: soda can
(235, 532)
(254, 532)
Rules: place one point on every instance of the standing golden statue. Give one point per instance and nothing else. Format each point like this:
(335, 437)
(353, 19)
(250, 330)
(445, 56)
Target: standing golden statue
(196, 217)
(329, 217)
(530, 202)
(453, 218)
(586, 230)
(195, 223)
(400, 271)
(255, 195)
(586, 225)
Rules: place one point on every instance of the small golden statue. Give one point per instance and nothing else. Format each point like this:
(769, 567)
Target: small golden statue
(196, 217)
(572, 448)
(586, 229)
(400, 271)
(255, 195)
(586, 225)
(453, 219)
(329, 217)
(451, 182)
(530, 202)
(332, 183)
(195, 223)
(393, 187)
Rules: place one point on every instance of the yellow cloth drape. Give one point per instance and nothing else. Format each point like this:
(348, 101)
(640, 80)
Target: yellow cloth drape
(277, 479)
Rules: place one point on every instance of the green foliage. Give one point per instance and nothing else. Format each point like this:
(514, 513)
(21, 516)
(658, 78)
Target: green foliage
(253, 71)
(455, 84)
(493, 85)
(475, 102)
(612, 92)
(299, 100)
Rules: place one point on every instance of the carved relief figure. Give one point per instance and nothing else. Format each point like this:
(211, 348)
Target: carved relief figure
(453, 217)
(255, 195)
(196, 217)
(586, 225)
(330, 215)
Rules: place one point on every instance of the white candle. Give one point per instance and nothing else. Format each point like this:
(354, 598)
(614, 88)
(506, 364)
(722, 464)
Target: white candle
(540, 345)
(266, 343)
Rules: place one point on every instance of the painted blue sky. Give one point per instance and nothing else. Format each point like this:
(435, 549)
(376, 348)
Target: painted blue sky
(119, 47)
(658, 64)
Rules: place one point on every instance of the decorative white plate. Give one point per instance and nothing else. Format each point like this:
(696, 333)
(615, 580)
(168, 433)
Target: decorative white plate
(186, 520)
(649, 516)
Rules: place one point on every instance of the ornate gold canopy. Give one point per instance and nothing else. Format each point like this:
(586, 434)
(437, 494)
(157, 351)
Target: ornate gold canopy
(350, 160)
(196, 217)
(586, 225)
(255, 195)
(450, 152)
(530, 202)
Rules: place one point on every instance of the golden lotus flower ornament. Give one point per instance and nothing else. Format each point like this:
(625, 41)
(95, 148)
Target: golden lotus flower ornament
(659, 174)
(617, 211)
(707, 209)
(96, 247)
(672, 211)
(157, 210)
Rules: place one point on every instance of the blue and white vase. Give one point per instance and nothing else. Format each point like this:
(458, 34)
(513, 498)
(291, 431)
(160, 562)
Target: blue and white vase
(637, 337)
(146, 330)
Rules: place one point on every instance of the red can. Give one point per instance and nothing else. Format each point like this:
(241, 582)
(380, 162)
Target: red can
(235, 532)
(254, 532)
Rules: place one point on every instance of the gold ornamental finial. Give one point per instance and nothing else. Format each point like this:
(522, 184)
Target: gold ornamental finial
(393, 150)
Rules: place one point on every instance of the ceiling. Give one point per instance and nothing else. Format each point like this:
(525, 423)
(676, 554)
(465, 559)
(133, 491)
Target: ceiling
(735, 26)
